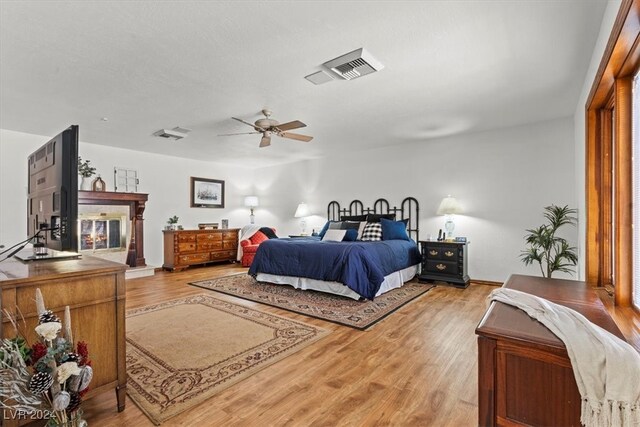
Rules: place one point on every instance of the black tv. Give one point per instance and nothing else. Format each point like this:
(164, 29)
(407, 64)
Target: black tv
(52, 201)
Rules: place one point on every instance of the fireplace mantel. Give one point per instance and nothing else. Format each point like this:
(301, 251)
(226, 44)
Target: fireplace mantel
(136, 203)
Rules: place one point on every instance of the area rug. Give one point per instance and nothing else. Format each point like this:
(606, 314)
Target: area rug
(182, 352)
(334, 308)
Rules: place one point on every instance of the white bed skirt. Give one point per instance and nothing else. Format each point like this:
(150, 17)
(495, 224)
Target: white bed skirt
(391, 281)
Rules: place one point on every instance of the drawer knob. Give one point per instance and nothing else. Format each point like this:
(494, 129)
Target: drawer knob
(441, 267)
(449, 253)
(432, 252)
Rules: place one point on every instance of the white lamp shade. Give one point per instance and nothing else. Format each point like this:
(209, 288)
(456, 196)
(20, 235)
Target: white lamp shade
(251, 201)
(302, 211)
(449, 206)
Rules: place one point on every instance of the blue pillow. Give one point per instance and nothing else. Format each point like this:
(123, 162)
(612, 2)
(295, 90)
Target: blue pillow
(393, 230)
(351, 235)
(324, 229)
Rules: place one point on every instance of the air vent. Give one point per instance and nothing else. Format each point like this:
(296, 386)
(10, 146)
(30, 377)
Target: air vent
(319, 78)
(176, 133)
(354, 64)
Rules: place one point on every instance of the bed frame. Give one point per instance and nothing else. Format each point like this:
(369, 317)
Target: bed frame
(409, 209)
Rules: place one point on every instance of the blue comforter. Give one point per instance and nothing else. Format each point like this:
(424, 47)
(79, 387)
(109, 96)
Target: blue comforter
(359, 265)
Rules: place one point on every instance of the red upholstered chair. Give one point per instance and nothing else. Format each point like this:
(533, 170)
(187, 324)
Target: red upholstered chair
(250, 246)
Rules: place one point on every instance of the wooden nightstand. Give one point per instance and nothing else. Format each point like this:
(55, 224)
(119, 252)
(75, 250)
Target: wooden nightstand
(444, 261)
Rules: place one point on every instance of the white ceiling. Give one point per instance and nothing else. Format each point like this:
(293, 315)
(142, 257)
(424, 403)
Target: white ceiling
(450, 67)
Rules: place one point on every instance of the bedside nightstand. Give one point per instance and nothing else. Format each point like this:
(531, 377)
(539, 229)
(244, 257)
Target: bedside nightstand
(444, 261)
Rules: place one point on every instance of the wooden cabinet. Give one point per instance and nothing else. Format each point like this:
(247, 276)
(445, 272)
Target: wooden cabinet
(524, 371)
(94, 289)
(183, 248)
(444, 261)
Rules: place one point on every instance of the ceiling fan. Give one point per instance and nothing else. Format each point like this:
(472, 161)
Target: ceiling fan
(268, 127)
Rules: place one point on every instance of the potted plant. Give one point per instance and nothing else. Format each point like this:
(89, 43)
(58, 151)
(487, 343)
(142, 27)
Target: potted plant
(172, 221)
(551, 252)
(86, 171)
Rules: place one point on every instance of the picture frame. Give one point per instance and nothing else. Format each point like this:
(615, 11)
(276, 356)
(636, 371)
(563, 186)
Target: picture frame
(207, 193)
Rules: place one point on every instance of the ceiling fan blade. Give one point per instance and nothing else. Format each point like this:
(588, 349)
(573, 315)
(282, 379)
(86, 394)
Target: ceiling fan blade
(241, 133)
(296, 136)
(250, 124)
(265, 141)
(291, 125)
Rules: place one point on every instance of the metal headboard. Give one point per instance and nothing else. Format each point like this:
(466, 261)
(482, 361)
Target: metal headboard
(409, 209)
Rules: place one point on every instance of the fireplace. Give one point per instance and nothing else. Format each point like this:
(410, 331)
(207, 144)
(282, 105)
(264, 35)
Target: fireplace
(112, 225)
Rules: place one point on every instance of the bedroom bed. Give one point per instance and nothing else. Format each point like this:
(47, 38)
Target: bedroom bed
(355, 269)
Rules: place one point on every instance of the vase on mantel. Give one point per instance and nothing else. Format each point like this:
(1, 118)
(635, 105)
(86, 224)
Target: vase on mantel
(85, 183)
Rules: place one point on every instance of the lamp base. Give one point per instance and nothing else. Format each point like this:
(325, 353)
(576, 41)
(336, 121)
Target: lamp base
(303, 227)
(449, 226)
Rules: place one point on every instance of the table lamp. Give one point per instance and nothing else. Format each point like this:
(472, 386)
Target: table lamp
(251, 202)
(449, 206)
(301, 212)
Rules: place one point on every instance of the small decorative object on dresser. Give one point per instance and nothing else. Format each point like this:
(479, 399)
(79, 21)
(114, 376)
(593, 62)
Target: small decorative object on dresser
(86, 171)
(98, 184)
(225, 224)
(444, 261)
(208, 226)
(172, 223)
(183, 248)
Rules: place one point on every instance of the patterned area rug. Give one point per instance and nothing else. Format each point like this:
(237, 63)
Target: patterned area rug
(182, 352)
(334, 308)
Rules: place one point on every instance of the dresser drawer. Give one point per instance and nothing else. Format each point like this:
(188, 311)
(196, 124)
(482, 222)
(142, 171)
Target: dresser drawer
(187, 247)
(183, 238)
(442, 267)
(209, 237)
(449, 254)
(232, 244)
(433, 252)
(194, 258)
(223, 255)
(209, 246)
(230, 235)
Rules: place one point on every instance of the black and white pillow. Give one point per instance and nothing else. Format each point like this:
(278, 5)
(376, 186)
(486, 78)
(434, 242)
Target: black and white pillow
(372, 232)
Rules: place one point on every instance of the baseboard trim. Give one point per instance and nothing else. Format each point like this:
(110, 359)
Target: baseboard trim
(485, 282)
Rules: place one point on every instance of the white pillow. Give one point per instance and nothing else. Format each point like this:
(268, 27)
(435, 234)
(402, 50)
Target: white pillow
(334, 235)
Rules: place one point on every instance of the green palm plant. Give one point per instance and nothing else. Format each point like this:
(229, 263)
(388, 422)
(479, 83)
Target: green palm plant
(547, 249)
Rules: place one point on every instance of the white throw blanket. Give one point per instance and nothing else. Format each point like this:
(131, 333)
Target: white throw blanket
(245, 233)
(607, 369)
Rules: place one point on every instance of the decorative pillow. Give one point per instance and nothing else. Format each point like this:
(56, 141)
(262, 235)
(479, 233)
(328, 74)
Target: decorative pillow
(350, 225)
(335, 225)
(258, 238)
(324, 229)
(376, 217)
(372, 232)
(351, 235)
(356, 218)
(333, 235)
(269, 232)
(393, 230)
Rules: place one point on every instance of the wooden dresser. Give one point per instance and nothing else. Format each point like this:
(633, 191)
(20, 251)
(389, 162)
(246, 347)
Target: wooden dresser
(94, 289)
(183, 248)
(524, 372)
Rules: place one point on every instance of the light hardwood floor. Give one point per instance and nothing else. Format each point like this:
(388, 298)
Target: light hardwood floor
(417, 367)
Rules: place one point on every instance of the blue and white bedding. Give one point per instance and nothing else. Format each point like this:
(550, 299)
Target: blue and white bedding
(361, 266)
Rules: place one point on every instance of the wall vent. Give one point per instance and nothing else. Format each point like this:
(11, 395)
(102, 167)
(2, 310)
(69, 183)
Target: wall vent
(354, 64)
(176, 133)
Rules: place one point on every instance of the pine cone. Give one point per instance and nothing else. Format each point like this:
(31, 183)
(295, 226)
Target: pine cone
(74, 403)
(40, 382)
(48, 316)
(73, 357)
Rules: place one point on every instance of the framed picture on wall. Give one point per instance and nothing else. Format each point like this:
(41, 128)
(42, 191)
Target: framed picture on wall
(207, 193)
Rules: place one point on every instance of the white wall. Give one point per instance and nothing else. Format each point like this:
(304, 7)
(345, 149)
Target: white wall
(579, 125)
(503, 178)
(165, 179)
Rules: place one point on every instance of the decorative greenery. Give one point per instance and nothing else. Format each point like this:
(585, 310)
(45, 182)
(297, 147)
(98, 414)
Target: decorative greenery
(173, 220)
(49, 377)
(85, 169)
(547, 249)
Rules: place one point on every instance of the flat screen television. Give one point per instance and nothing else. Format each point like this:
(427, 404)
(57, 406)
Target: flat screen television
(52, 201)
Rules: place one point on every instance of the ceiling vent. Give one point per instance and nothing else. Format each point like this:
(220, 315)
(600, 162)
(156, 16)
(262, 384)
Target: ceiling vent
(319, 78)
(354, 64)
(176, 133)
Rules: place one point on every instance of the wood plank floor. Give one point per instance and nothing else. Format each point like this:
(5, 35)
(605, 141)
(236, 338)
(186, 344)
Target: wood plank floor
(417, 367)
